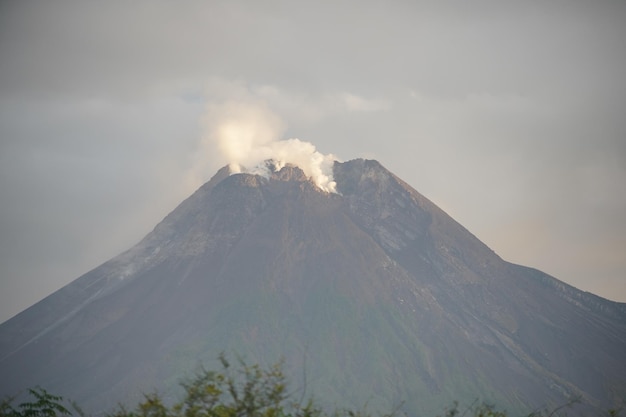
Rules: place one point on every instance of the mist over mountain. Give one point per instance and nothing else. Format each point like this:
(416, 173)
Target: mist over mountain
(370, 292)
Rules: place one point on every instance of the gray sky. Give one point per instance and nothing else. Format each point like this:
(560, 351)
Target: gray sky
(509, 115)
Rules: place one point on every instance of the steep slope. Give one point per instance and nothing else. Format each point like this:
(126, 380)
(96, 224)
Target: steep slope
(374, 293)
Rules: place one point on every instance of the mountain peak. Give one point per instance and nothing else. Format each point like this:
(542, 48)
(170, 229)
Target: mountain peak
(289, 172)
(319, 172)
(374, 282)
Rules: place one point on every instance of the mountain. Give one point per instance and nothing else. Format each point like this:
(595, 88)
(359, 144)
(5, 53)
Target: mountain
(371, 295)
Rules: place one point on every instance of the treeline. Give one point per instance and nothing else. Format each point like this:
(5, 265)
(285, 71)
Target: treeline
(246, 391)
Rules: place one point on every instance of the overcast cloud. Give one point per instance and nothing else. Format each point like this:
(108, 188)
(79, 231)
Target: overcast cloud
(509, 115)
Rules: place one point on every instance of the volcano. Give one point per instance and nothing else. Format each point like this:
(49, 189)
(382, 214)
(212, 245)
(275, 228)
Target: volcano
(372, 295)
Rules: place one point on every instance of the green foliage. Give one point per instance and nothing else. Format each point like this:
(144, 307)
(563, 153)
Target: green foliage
(43, 404)
(247, 391)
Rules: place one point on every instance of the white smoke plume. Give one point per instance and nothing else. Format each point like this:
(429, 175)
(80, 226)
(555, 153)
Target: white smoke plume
(245, 133)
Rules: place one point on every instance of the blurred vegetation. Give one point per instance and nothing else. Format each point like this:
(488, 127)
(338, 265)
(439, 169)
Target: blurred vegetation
(246, 391)
(42, 404)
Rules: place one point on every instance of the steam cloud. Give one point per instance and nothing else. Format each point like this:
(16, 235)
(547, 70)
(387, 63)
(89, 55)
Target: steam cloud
(246, 133)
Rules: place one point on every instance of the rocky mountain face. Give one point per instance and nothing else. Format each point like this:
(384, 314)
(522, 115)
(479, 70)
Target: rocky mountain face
(371, 295)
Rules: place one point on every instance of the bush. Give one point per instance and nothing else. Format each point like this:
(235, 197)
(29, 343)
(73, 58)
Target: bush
(248, 391)
(44, 405)
(254, 392)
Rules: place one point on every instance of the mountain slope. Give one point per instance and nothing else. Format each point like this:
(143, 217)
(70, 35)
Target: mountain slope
(374, 293)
